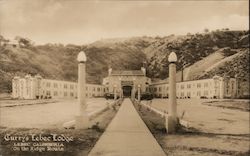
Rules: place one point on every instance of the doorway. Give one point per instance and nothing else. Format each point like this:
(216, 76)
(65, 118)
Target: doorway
(127, 91)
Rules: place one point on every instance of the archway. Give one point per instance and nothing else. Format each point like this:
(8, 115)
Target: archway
(127, 91)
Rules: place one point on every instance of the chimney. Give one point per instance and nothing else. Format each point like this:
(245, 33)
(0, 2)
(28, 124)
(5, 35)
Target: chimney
(110, 71)
(182, 74)
(143, 70)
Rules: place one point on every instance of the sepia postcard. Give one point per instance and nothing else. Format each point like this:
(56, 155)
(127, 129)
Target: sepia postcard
(124, 78)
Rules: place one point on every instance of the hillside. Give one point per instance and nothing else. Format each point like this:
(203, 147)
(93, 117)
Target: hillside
(59, 62)
(202, 55)
(218, 64)
(192, 48)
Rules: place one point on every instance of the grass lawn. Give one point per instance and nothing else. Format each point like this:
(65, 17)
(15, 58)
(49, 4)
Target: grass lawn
(242, 105)
(45, 118)
(43, 113)
(83, 140)
(212, 139)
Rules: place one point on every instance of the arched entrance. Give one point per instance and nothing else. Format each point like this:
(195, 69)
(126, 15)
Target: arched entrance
(127, 91)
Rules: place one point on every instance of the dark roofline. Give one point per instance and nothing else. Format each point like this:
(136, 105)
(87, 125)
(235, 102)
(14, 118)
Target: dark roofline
(127, 72)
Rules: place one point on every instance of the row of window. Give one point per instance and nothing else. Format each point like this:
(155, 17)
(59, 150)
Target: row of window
(65, 94)
(71, 86)
(65, 86)
(188, 94)
(198, 93)
(182, 86)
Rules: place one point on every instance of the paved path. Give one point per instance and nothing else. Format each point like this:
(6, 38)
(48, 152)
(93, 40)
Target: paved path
(127, 135)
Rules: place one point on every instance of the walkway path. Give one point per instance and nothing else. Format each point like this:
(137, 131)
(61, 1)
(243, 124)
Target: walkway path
(127, 135)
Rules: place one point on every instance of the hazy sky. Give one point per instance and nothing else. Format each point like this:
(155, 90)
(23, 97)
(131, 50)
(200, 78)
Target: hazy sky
(79, 22)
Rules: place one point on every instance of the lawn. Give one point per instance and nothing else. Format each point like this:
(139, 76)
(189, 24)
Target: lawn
(42, 113)
(209, 119)
(214, 131)
(45, 118)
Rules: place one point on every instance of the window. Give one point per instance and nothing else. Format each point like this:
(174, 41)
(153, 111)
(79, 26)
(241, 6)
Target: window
(227, 88)
(182, 93)
(71, 94)
(65, 86)
(206, 84)
(71, 86)
(198, 93)
(86, 88)
(55, 85)
(182, 86)
(188, 85)
(65, 93)
(93, 88)
(205, 93)
(159, 89)
(48, 84)
(98, 89)
(198, 85)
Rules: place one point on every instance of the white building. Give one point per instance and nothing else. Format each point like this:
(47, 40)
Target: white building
(216, 87)
(37, 88)
(126, 82)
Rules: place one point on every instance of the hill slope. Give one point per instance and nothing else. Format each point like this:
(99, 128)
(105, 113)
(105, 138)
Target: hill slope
(203, 55)
(192, 48)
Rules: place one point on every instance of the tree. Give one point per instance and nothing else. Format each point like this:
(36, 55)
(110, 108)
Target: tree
(23, 42)
(206, 30)
(3, 40)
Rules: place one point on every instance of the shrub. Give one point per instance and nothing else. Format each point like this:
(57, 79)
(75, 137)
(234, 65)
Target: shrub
(110, 96)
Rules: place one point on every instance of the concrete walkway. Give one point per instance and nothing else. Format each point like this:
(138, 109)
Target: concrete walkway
(127, 135)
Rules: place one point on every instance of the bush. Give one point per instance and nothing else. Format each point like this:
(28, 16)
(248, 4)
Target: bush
(145, 96)
(110, 96)
(203, 97)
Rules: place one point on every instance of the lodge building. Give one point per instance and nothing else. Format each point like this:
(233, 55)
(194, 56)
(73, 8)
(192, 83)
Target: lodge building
(216, 87)
(38, 88)
(125, 83)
